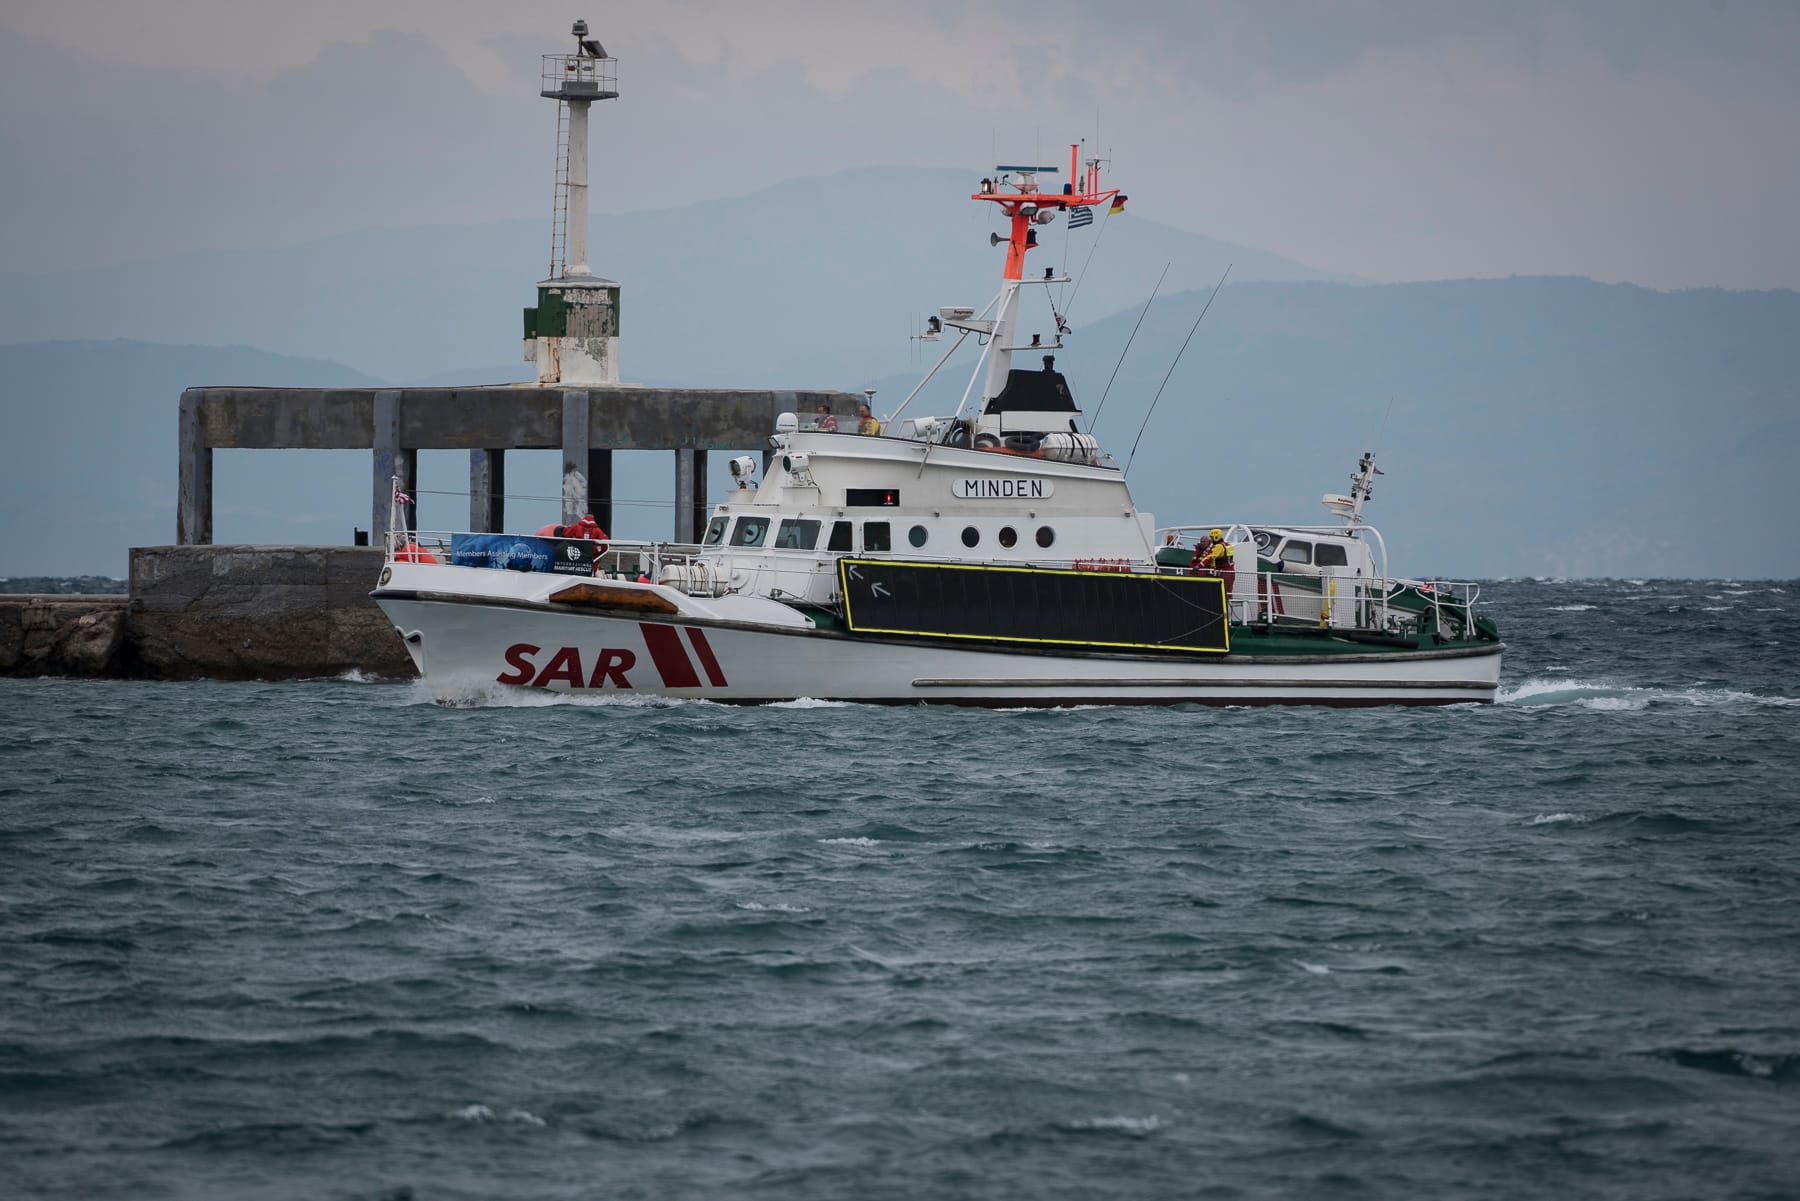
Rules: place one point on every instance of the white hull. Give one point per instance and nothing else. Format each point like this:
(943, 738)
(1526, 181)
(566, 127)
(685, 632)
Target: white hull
(979, 558)
(469, 648)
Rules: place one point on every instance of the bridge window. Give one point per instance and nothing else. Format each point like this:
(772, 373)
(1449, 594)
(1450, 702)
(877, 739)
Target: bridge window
(750, 531)
(876, 536)
(797, 534)
(840, 537)
(1297, 552)
(715, 530)
(1330, 554)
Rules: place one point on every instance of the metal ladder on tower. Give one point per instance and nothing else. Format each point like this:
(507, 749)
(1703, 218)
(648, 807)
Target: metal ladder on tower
(559, 208)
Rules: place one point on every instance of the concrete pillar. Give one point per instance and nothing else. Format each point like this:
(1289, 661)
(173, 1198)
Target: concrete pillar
(193, 505)
(409, 476)
(392, 462)
(685, 530)
(487, 491)
(600, 487)
(700, 506)
(576, 249)
(576, 416)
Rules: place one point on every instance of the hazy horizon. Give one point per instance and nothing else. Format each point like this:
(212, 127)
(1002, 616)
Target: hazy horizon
(203, 174)
(1654, 144)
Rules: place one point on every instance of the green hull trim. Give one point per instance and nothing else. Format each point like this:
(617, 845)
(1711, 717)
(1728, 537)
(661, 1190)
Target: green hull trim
(1268, 640)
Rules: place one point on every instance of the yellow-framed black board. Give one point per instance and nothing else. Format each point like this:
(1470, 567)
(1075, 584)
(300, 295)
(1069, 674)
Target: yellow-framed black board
(1036, 605)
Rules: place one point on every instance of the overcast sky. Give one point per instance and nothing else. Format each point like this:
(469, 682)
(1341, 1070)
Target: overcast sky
(1652, 142)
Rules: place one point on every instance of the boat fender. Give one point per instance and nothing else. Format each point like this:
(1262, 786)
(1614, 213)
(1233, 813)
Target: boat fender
(986, 442)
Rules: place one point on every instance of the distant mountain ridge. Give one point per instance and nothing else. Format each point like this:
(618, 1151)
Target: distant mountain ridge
(93, 426)
(1528, 426)
(850, 262)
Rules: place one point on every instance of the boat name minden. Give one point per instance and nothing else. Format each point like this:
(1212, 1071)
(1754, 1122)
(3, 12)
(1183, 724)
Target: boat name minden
(1003, 489)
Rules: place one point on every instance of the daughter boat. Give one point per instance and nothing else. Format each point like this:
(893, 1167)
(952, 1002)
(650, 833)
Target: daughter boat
(991, 557)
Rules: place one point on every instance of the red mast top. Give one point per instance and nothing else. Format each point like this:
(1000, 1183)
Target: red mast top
(1027, 208)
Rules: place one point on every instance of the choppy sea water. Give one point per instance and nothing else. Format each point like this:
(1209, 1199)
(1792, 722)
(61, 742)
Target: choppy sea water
(329, 940)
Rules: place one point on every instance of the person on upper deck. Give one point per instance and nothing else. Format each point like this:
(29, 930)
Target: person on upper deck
(582, 527)
(866, 421)
(1202, 555)
(826, 421)
(1217, 551)
(1215, 556)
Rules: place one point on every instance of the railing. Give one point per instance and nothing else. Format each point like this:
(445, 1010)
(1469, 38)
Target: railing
(577, 77)
(1277, 602)
(1303, 602)
(672, 563)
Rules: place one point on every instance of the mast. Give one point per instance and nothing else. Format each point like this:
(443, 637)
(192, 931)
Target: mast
(1015, 190)
(1362, 486)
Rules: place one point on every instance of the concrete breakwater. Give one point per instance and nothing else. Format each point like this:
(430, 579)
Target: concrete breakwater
(213, 612)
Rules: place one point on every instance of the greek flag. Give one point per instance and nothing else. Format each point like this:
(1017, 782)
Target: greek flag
(1080, 215)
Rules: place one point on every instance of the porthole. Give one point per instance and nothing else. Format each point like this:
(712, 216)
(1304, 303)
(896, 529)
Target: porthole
(1045, 535)
(971, 535)
(1009, 537)
(917, 535)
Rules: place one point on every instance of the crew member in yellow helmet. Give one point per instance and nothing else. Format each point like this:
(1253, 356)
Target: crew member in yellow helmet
(1215, 556)
(1214, 551)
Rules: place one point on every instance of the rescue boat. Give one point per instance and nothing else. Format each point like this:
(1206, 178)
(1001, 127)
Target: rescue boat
(991, 556)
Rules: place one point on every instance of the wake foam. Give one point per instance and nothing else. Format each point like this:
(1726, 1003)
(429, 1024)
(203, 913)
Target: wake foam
(499, 696)
(1607, 697)
(482, 1113)
(1119, 1123)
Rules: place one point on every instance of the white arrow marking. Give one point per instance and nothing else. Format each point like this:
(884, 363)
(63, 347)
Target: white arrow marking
(877, 590)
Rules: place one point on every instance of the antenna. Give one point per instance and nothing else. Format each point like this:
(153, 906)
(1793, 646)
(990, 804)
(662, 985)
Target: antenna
(1178, 354)
(1095, 423)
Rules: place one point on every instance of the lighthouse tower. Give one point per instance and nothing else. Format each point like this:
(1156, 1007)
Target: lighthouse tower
(573, 332)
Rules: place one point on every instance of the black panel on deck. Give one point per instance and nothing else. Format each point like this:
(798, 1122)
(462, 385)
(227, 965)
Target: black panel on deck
(1034, 391)
(1034, 605)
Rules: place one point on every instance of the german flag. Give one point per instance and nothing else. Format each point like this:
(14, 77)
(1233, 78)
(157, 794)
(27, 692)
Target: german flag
(1118, 206)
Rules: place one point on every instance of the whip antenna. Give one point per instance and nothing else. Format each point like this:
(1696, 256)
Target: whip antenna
(1095, 423)
(1178, 354)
